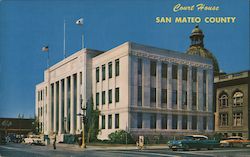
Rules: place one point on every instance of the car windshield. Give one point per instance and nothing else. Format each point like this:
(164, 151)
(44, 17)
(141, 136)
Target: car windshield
(188, 137)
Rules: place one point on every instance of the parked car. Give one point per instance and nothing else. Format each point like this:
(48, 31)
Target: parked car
(193, 142)
(31, 139)
(234, 141)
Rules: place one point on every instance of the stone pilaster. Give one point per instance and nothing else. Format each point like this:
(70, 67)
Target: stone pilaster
(72, 107)
(179, 88)
(55, 109)
(189, 88)
(179, 123)
(78, 103)
(158, 84)
(60, 108)
(145, 83)
(169, 88)
(158, 121)
(169, 122)
(199, 90)
(65, 120)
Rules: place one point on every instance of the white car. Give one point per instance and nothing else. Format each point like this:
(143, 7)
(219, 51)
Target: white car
(32, 139)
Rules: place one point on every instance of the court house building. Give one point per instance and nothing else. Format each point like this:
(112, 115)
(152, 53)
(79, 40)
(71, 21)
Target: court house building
(141, 89)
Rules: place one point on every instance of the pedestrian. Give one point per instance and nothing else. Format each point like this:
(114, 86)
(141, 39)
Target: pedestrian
(54, 143)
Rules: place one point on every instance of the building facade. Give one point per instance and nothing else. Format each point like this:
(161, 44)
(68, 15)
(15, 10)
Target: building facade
(66, 87)
(141, 89)
(232, 116)
(151, 91)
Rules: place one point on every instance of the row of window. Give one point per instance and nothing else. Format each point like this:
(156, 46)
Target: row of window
(164, 70)
(237, 119)
(174, 96)
(117, 70)
(40, 95)
(117, 121)
(117, 96)
(164, 119)
(237, 100)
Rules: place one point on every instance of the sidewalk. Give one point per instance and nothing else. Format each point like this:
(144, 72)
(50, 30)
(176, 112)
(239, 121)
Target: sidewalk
(75, 147)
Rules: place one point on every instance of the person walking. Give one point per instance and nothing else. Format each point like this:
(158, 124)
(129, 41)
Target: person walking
(54, 143)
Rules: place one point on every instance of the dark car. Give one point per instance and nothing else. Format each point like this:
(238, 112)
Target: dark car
(193, 142)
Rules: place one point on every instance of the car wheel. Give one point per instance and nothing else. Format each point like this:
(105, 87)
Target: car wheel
(210, 148)
(186, 147)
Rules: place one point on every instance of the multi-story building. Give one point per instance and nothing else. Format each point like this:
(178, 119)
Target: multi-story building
(66, 87)
(152, 91)
(232, 116)
(141, 89)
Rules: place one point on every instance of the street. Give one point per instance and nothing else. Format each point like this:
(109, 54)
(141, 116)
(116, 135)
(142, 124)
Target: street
(22, 150)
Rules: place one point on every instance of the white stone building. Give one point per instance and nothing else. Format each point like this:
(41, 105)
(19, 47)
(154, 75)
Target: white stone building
(138, 88)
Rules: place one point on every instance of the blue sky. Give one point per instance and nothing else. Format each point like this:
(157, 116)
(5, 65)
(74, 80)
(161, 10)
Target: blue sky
(27, 25)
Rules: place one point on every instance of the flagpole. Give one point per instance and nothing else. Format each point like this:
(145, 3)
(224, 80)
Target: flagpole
(82, 41)
(64, 40)
(48, 60)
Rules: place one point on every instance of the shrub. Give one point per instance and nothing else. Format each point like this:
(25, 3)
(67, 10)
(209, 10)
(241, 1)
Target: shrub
(121, 137)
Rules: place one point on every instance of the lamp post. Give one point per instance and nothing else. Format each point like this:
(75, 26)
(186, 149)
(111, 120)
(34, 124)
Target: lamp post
(84, 119)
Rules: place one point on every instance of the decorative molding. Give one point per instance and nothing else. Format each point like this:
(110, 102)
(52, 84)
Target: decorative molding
(170, 59)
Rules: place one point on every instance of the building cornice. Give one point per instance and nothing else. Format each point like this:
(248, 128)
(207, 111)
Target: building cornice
(145, 54)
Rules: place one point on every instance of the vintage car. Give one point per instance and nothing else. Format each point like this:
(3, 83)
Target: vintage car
(234, 141)
(33, 139)
(193, 142)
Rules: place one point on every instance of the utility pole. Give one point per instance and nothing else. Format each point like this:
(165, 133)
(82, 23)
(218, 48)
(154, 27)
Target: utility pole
(84, 120)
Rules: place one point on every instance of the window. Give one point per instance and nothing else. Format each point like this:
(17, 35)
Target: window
(80, 78)
(110, 69)
(103, 97)
(164, 70)
(152, 68)
(110, 96)
(109, 121)
(117, 95)
(153, 95)
(184, 121)
(194, 74)
(139, 66)
(103, 121)
(164, 96)
(139, 95)
(184, 72)
(223, 101)
(223, 119)
(204, 123)
(97, 74)
(97, 99)
(116, 121)
(184, 97)
(194, 96)
(174, 121)
(194, 122)
(164, 121)
(139, 120)
(237, 119)
(117, 67)
(153, 121)
(174, 71)
(204, 76)
(174, 97)
(103, 72)
(238, 99)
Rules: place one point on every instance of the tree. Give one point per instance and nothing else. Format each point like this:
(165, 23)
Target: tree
(92, 125)
(6, 124)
